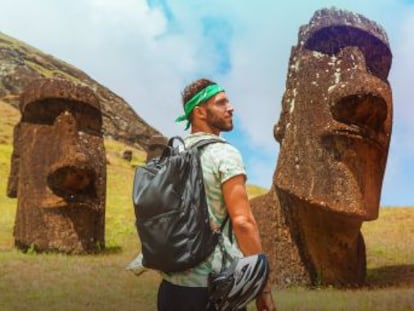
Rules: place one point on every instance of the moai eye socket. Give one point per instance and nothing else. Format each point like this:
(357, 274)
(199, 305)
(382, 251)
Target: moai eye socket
(330, 40)
(43, 112)
(88, 119)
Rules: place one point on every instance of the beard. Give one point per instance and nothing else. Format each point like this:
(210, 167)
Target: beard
(220, 123)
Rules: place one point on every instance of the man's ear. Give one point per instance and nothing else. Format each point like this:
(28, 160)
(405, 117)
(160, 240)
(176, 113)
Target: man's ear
(200, 112)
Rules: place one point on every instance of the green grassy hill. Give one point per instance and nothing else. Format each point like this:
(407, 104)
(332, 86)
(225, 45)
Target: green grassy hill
(100, 282)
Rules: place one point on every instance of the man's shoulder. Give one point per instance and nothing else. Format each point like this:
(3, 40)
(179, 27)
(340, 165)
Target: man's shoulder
(222, 150)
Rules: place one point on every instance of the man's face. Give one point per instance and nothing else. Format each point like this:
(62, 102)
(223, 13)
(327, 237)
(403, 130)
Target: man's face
(219, 113)
(334, 131)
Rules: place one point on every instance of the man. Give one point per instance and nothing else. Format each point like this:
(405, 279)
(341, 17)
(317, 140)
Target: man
(209, 112)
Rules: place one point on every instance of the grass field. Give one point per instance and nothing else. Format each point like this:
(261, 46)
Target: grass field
(100, 282)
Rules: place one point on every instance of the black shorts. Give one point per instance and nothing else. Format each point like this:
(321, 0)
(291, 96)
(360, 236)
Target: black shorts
(180, 298)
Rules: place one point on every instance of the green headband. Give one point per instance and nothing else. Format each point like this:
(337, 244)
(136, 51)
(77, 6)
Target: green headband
(199, 98)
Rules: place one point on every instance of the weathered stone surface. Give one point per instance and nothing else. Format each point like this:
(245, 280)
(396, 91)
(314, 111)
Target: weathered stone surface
(58, 170)
(334, 133)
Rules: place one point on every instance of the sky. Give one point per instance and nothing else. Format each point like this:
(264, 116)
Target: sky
(148, 51)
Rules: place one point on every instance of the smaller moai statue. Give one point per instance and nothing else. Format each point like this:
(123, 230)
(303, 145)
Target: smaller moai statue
(58, 169)
(156, 146)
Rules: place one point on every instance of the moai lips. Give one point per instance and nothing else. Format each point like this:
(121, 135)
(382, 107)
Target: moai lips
(58, 169)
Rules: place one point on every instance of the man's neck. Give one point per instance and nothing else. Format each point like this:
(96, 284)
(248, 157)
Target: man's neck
(204, 129)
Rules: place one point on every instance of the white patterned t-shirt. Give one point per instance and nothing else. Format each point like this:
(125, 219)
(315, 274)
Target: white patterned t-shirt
(220, 162)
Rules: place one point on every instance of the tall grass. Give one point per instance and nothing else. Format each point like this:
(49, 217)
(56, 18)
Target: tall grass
(100, 282)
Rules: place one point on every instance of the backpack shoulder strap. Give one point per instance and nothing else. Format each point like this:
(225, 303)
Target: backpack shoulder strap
(230, 229)
(204, 142)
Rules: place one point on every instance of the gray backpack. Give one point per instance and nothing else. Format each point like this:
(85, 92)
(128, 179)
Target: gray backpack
(171, 209)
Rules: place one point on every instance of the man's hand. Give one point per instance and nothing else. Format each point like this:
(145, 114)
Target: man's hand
(264, 302)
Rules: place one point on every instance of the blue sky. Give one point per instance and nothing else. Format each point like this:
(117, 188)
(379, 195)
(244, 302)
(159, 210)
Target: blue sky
(147, 51)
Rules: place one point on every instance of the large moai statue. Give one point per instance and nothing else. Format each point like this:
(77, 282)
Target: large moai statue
(58, 169)
(334, 133)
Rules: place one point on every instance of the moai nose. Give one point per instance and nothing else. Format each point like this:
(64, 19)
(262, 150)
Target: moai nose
(73, 172)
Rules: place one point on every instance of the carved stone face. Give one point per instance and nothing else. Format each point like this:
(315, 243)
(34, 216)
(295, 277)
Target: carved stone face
(336, 119)
(61, 172)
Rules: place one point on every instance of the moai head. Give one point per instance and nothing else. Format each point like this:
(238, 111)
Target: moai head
(335, 124)
(58, 169)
